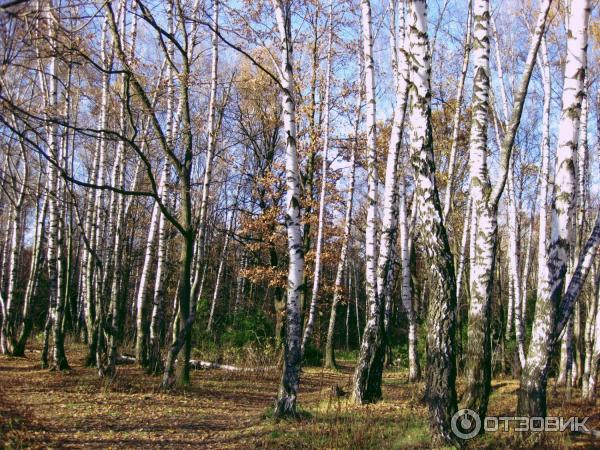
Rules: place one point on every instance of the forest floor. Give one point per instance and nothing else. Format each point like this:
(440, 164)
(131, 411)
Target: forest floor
(223, 409)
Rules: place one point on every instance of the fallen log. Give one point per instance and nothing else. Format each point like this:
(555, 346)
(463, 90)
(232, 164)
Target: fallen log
(199, 365)
(204, 365)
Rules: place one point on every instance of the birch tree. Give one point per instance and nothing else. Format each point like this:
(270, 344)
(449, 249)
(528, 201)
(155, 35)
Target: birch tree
(389, 226)
(414, 371)
(34, 269)
(589, 337)
(342, 263)
(290, 378)
(310, 323)
(532, 395)
(440, 391)
(484, 228)
(19, 184)
(369, 368)
(514, 315)
(595, 354)
(458, 108)
(55, 275)
(482, 264)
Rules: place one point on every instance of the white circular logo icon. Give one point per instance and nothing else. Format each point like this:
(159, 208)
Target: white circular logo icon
(465, 423)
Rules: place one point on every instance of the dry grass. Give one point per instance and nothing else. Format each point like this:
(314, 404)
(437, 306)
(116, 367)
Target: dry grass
(42, 409)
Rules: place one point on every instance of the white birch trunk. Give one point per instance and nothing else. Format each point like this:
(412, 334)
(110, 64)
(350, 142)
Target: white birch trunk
(54, 237)
(414, 371)
(116, 219)
(154, 362)
(9, 325)
(159, 289)
(440, 391)
(457, 111)
(34, 272)
(485, 204)
(241, 284)
(389, 225)
(595, 356)
(312, 313)
(514, 316)
(148, 347)
(369, 368)
(211, 128)
(590, 318)
(532, 396)
(482, 262)
(329, 346)
(141, 347)
(356, 306)
(288, 390)
(460, 270)
(545, 168)
(215, 298)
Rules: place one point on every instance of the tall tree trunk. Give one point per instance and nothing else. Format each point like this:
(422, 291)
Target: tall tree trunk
(478, 361)
(55, 281)
(141, 341)
(457, 110)
(154, 360)
(94, 267)
(441, 365)
(228, 231)
(459, 277)
(369, 368)
(312, 313)
(9, 326)
(240, 285)
(116, 222)
(356, 307)
(514, 317)
(532, 393)
(290, 377)
(389, 226)
(212, 132)
(595, 354)
(329, 345)
(414, 371)
(592, 307)
(545, 167)
(579, 233)
(485, 204)
(34, 273)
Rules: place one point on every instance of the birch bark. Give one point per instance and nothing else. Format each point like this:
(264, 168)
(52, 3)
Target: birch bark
(329, 345)
(478, 362)
(34, 272)
(290, 378)
(457, 111)
(389, 225)
(310, 323)
(532, 394)
(55, 281)
(9, 325)
(589, 360)
(441, 365)
(414, 371)
(595, 356)
(485, 204)
(369, 368)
